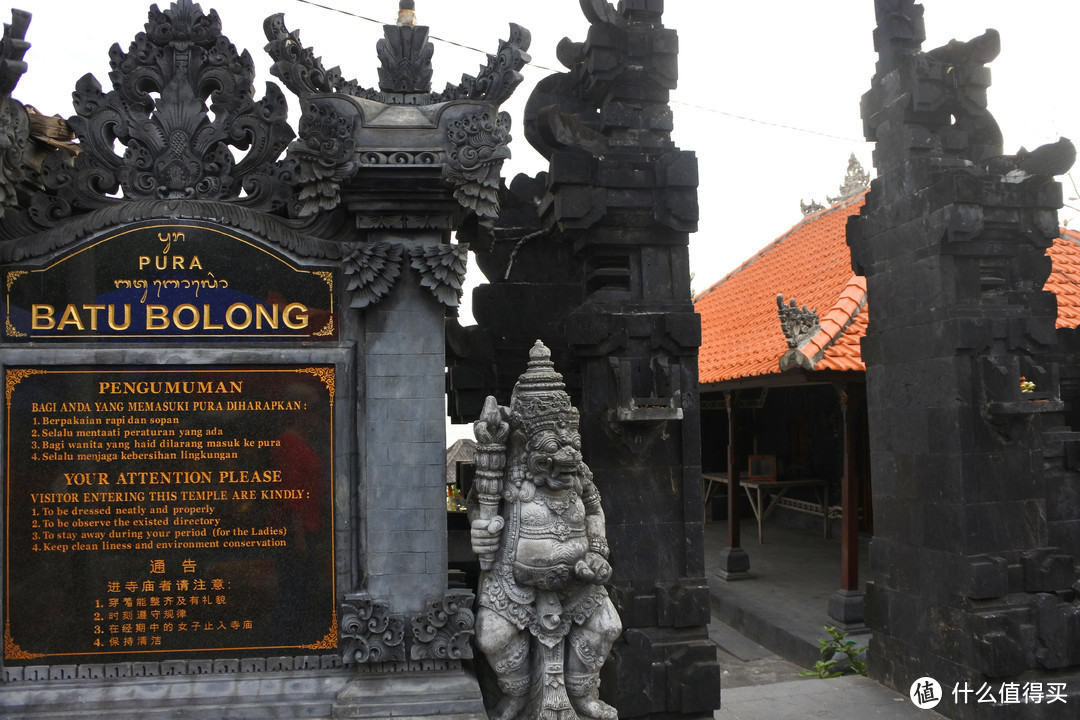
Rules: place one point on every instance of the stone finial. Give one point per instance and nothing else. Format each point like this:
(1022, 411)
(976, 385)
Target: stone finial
(406, 13)
(856, 180)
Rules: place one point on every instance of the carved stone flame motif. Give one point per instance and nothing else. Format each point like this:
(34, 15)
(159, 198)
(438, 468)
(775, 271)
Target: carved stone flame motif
(157, 110)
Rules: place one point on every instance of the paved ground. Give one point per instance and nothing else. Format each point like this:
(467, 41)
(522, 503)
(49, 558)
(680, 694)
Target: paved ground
(785, 607)
(847, 697)
(760, 685)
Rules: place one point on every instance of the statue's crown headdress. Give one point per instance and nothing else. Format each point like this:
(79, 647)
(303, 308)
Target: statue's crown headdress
(540, 398)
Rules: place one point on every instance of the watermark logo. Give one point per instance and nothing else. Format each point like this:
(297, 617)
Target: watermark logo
(925, 693)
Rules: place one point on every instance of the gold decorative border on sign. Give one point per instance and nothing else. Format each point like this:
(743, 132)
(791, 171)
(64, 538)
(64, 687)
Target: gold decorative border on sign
(14, 275)
(11, 330)
(13, 651)
(329, 642)
(9, 327)
(327, 330)
(326, 374)
(16, 376)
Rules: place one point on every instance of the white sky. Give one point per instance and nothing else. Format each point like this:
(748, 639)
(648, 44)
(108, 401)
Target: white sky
(786, 62)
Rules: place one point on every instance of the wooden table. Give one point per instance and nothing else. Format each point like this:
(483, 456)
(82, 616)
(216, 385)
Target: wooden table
(759, 492)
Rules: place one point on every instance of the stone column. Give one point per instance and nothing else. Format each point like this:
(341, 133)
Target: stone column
(971, 492)
(404, 477)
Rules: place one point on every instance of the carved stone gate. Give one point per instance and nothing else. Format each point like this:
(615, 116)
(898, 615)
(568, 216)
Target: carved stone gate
(224, 356)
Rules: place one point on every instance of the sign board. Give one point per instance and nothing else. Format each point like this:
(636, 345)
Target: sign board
(165, 282)
(168, 510)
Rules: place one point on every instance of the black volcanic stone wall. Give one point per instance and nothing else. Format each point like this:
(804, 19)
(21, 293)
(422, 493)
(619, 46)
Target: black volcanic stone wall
(975, 509)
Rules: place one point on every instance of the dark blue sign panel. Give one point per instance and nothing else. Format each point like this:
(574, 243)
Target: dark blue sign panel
(169, 282)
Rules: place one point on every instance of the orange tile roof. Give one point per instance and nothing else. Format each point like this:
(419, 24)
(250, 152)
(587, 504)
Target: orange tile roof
(811, 264)
(1064, 280)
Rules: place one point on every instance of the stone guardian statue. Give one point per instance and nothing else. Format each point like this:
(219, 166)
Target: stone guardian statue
(545, 622)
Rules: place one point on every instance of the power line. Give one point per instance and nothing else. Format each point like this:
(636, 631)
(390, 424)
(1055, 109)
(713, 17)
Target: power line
(534, 66)
(765, 122)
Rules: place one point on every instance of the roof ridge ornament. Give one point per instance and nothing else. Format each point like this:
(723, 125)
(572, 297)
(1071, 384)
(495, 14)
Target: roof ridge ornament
(799, 326)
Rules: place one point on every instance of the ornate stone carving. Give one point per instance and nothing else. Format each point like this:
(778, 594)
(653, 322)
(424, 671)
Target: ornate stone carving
(466, 141)
(545, 623)
(325, 158)
(497, 79)
(370, 633)
(14, 125)
(372, 269)
(296, 66)
(405, 53)
(477, 145)
(856, 179)
(444, 631)
(174, 148)
(798, 324)
(442, 270)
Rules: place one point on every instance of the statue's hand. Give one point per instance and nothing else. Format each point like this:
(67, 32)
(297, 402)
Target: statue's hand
(485, 536)
(593, 568)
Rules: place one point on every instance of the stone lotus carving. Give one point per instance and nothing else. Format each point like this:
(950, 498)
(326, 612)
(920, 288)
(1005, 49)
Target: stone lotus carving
(545, 621)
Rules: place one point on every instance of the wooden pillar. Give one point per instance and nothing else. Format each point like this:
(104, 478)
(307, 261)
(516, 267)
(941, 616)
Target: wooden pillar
(734, 562)
(734, 529)
(849, 494)
(846, 604)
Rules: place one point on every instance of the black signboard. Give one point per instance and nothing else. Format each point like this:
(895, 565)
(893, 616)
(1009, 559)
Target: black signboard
(169, 281)
(168, 510)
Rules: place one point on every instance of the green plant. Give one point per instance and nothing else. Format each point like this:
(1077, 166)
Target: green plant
(839, 656)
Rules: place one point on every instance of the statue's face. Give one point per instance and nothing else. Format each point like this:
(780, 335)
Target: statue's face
(553, 456)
